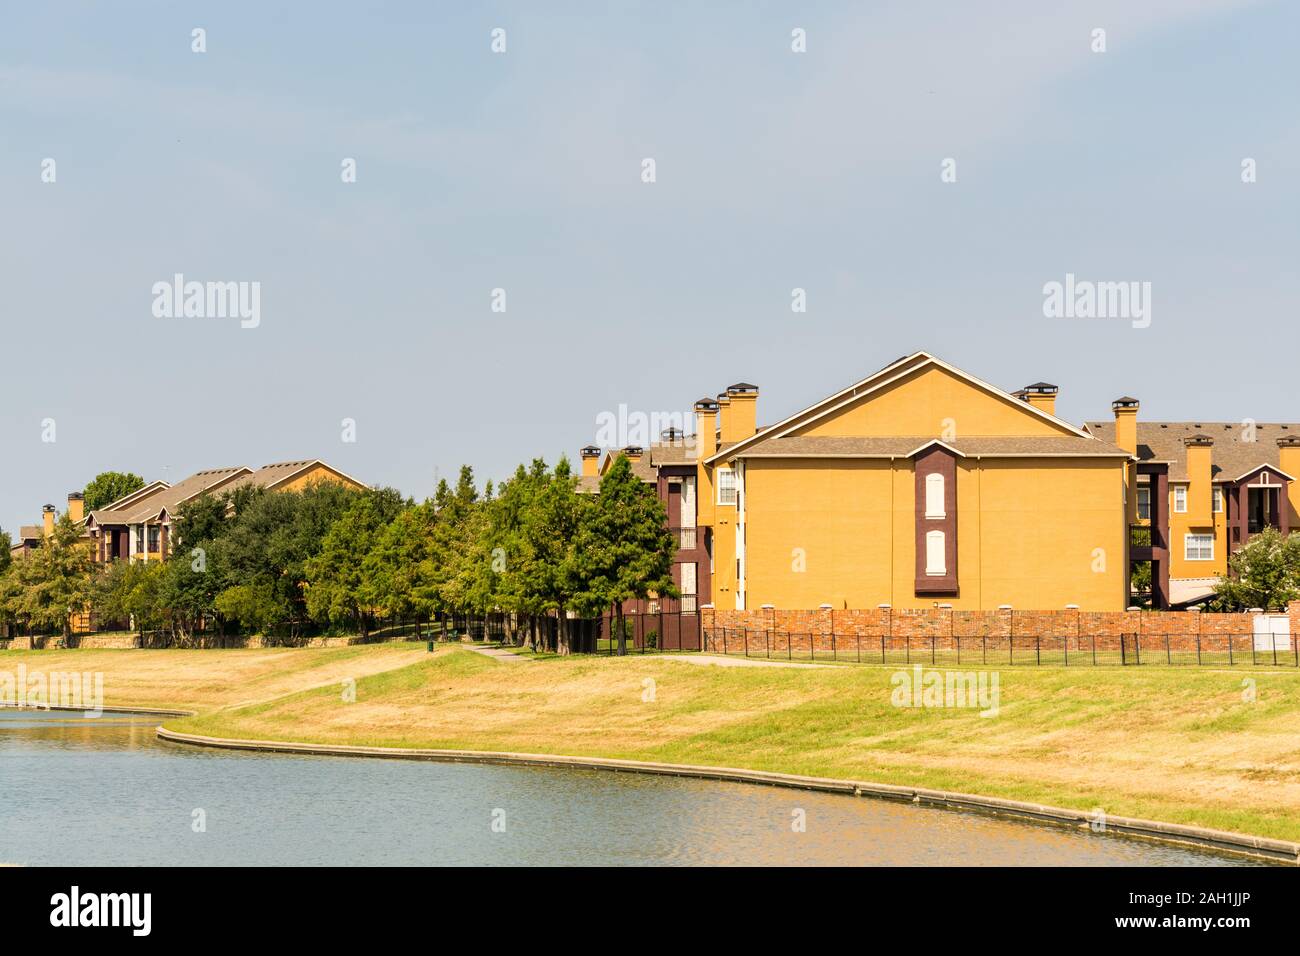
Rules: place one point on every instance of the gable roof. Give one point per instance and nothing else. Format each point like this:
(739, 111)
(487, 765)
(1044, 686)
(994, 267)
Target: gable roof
(887, 375)
(905, 446)
(277, 473)
(1232, 458)
(170, 498)
(136, 496)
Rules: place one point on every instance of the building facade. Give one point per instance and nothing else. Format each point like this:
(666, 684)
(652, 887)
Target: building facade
(1200, 490)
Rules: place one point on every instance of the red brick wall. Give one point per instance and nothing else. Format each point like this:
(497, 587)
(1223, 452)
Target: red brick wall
(864, 632)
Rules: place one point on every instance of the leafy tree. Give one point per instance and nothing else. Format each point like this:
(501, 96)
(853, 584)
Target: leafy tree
(1265, 573)
(6, 543)
(125, 590)
(256, 607)
(200, 522)
(108, 486)
(624, 548)
(401, 571)
(337, 584)
(264, 552)
(548, 547)
(53, 582)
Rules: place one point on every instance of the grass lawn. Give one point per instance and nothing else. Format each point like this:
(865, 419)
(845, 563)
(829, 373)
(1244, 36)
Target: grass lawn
(205, 679)
(1175, 744)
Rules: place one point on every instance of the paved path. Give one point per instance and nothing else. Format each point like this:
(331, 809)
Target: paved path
(500, 653)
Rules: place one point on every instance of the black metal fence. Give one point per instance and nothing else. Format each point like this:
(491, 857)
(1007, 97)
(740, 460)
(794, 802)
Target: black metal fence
(1227, 650)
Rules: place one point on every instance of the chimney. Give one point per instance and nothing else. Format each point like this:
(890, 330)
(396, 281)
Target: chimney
(633, 453)
(1126, 437)
(590, 461)
(724, 418)
(76, 506)
(743, 419)
(706, 426)
(1126, 423)
(1200, 461)
(1041, 395)
(47, 519)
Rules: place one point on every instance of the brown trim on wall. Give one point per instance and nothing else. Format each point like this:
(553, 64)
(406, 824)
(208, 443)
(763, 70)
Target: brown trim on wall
(941, 461)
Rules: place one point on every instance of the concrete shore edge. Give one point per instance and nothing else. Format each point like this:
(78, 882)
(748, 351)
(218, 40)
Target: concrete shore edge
(1237, 843)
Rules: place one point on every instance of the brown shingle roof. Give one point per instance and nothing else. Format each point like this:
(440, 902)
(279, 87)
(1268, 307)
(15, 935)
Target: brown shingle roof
(902, 445)
(673, 453)
(30, 532)
(170, 498)
(1232, 457)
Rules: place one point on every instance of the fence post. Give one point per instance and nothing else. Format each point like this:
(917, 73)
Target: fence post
(882, 647)
(933, 644)
(744, 634)
(957, 640)
(1168, 656)
(1229, 650)
(1198, 648)
(907, 644)
(1094, 649)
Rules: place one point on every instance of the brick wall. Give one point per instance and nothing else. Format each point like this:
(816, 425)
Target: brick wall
(864, 633)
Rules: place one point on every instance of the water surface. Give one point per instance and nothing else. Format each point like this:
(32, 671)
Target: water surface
(78, 791)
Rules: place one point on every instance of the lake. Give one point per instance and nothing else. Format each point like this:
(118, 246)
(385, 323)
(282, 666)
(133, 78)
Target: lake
(77, 791)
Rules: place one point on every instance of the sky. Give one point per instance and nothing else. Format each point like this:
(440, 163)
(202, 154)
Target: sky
(828, 170)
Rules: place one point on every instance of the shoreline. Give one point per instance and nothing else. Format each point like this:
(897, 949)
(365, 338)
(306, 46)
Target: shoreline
(1240, 844)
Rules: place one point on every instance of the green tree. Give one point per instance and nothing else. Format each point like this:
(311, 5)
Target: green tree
(401, 570)
(548, 545)
(6, 543)
(53, 582)
(1265, 574)
(338, 588)
(265, 549)
(126, 590)
(108, 486)
(199, 522)
(624, 548)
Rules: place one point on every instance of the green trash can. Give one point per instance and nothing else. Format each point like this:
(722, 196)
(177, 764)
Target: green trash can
(430, 647)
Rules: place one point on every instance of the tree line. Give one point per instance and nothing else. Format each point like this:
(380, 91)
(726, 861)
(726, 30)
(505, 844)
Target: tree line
(333, 558)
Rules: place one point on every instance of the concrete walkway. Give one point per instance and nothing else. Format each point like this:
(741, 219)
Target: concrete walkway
(499, 653)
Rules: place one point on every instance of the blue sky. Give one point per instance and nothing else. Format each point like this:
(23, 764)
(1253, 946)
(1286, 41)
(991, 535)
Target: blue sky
(521, 171)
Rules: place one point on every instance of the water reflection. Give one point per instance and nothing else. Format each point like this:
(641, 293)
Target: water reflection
(107, 791)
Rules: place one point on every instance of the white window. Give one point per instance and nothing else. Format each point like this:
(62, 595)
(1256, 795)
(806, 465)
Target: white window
(1180, 499)
(1144, 504)
(935, 562)
(1198, 547)
(688, 502)
(688, 580)
(934, 496)
(1218, 500)
(726, 486)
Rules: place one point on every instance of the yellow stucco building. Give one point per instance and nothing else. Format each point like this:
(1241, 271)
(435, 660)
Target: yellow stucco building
(919, 485)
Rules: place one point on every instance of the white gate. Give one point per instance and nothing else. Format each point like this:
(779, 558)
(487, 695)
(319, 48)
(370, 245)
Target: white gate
(1272, 632)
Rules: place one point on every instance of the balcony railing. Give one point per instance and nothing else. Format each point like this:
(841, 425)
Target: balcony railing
(687, 539)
